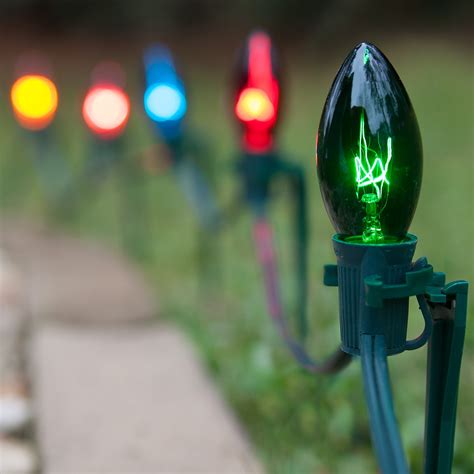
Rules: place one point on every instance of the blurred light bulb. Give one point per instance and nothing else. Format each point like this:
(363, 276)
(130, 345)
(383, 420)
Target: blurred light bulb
(165, 95)
(164, 102)
(254, 104)
(35, 100)
(106, 110)
(369, 154)
(257, 91)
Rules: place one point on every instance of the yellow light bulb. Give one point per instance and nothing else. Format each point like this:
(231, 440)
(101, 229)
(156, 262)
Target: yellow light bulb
(35, 100)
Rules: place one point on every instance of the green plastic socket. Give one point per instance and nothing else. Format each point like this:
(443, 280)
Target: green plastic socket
(367, 274)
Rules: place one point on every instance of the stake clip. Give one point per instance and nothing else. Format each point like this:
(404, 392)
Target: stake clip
(416, 284)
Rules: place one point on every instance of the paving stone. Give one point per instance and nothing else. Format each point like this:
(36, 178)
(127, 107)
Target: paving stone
(130, 400)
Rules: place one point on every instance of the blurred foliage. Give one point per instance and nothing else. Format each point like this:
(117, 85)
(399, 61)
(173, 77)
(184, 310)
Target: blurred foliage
(298, 423)
(280, 16)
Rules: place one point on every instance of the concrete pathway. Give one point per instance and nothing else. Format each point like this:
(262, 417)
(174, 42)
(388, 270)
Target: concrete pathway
(115, 391)
(72, 280)
(147, 406)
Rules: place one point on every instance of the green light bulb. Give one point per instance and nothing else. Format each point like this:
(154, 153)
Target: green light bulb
(369, 153)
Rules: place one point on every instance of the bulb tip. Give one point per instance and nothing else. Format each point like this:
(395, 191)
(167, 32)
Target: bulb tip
(366, 45)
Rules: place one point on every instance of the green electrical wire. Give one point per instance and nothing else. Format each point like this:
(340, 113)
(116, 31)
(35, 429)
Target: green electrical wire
(385, 434)
(298, 186)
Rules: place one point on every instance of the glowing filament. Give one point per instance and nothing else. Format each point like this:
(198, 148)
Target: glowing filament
(371, 171)
(371, 178)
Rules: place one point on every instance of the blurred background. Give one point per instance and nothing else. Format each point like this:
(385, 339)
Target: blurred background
(297, 423)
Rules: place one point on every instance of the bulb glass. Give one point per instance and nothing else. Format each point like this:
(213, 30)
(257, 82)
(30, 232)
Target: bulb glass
(254, 104)
(369, 154)
(34, 100)
(164, 102)
(106, 110)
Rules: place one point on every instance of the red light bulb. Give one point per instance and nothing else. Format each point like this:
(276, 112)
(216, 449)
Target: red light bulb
(258, 93)
(106, 110)
(254, 104)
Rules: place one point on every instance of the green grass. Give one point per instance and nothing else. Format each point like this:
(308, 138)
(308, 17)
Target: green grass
(298, 423)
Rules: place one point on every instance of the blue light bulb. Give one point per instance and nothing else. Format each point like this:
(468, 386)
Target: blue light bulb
(164, 102)
(165, 97)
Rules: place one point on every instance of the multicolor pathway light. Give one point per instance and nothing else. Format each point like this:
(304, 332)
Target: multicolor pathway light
(257, 99)
(106, 112)
(165, 96)
(165, 104)
(34, 99)
(369, 162)
(106, 105)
